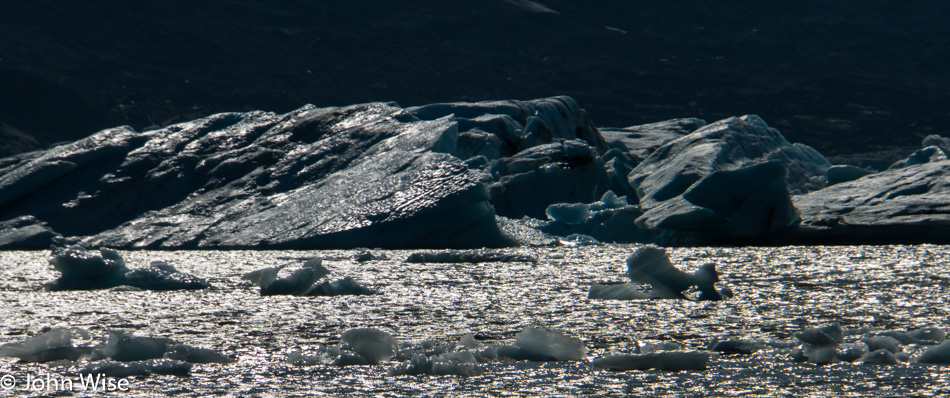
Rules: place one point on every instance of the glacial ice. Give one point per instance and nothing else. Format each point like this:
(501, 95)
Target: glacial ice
(364, 175)
(81, 269)
(54, 345)
(729, 179)
(302, 281)
(610, 219)
(119, 355)
(568, 213)
(543, 344)
(457, 175)
(340, 287)
(526, 183)
(939, 354)
(650, 265)
(898, 205)
(373, 345)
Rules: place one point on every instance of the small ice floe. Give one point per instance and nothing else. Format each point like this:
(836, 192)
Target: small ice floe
(365, 255)
(819, 345)
(458, 363)
(575, 240)
(543, 344)
(650, 265)
(568, 213)
(880, 357)
(469, 256)
(54, 345)
(302, 281)
(939, 354)
(830, 344)
(120, 355)
(110, 368)
(668, 360)
(81, 269)
(735, 346)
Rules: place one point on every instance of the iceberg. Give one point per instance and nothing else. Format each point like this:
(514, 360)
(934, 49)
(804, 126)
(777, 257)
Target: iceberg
(54, 345)
(904, 205)
(370, 175)
(568, 171)
(81, 270)
(727, 180)
(543, 344)
(372, 345)
(650, 265)
(302, 281)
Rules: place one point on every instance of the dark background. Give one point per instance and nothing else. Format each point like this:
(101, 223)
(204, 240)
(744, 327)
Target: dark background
(843, 76)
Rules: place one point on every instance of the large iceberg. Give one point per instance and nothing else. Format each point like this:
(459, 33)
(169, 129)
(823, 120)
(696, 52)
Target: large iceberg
(456, 175)
(907, 204)
(364, 175)
(727, 180)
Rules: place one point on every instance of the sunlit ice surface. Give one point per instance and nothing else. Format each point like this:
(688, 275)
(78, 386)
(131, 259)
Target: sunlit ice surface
(778, 291)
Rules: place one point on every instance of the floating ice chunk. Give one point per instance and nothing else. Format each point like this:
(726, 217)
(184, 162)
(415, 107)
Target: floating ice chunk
(117, 369)
(468, 256)
(609, 201)
(53, 345)
(875, 343)
(939, 354)
(547, 344)
(110, 368)
(160, 278)
(621, 291)
(263, 277)
(830, 335)
(880, 357)
(650, 265)
(739, 347)
(339, 287)
(366, 255)
(575, 240)
(187, 353)
(850, 352)
(820, 345)
(373, 345)
(82, 269)
(299, 282)
(124, 348)
(298, 358)
(668, 361)
(648, 347)
(468, 341)
(568, 213)
(930, 335)
(902, 337)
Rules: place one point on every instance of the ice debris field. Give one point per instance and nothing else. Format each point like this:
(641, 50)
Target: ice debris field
(710, 318)
(460, 175)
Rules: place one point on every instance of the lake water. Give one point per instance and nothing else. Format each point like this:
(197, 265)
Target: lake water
(778, 291)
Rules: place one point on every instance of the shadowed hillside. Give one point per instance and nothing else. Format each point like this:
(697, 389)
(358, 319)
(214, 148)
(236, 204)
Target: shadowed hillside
(844, 77)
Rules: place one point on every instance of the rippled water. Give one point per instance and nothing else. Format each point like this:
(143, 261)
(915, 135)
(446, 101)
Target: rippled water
(778, 291)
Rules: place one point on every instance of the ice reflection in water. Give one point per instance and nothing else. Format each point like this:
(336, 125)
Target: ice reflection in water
(778, 291)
